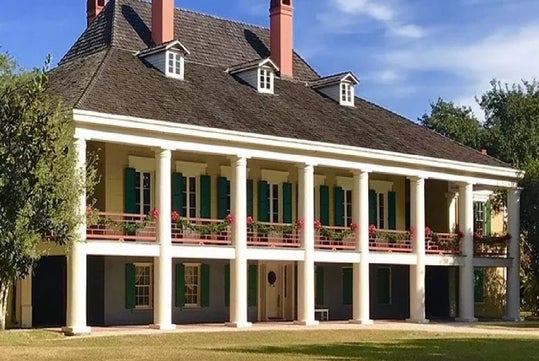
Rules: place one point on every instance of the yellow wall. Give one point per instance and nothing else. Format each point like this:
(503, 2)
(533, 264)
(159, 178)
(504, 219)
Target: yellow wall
(436, 205)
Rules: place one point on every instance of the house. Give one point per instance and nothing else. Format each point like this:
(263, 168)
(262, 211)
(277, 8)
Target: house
(238, 185)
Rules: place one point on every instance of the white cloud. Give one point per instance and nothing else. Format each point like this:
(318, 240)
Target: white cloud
(358, 7)
(387, 76)
(408, 31)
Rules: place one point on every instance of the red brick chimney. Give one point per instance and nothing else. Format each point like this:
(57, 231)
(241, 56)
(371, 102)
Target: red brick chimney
(162, 21)
(93, 8)
(281, 36)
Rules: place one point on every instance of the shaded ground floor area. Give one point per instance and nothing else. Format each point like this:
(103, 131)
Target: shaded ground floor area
(120, 291)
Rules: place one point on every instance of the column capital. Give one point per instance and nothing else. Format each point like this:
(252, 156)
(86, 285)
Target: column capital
(516, 191)
(238, 160)
(416, 178)
(451, 195)
(163, 152)
(305, 165)
(360, 172)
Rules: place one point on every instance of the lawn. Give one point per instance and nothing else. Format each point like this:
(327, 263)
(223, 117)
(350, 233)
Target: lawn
(271, 345)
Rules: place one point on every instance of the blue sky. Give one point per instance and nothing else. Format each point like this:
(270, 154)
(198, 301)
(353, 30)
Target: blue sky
(405, 52)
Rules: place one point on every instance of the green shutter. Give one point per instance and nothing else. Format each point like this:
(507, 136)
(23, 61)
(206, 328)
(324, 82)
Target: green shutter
(347, 286)
(287, 202)
(383, 285)
(205, 285)
(252, 291)
(319, 296)
(324, 205)
(130, 192)
(392, 210)
(338, 209)
(205, 196)
(479, 285)
(250, 197)
(227, 285)
(130, 289)
(177, 192)
(223, 207)
(373, 218)
(263, 206)
(488, 218)
(180, 285)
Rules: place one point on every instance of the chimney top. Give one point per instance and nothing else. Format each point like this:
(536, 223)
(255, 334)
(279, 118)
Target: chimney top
(93, 8)
(281, 36)
(162, 21)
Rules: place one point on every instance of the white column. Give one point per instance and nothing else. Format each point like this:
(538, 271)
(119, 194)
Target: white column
(163, 272)
(238, 266)
(512, 296)
(306, 303)
(26, 301)
(360, 213)
(452, 292)
(76, 261)
(466, 270)
(417, 271)
(451, 210)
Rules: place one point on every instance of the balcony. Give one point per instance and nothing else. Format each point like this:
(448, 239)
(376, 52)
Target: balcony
(443, 243)
(120, 227)
(335, 238)
(494, 246)
(272, 235)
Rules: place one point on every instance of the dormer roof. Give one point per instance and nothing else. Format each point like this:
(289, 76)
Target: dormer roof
(171, 45)
(253, 64)
(335, 79)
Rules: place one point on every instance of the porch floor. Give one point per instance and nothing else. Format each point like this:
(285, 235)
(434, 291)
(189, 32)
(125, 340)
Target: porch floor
(435, 326)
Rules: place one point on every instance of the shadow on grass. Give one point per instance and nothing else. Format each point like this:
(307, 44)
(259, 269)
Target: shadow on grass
(509, 325)
(416, 349)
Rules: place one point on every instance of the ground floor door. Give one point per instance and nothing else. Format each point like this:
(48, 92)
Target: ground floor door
(276, 291)
(49, 292)
(437, 287)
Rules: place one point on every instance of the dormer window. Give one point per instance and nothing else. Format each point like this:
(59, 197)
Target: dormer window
(175, 65)
(347, 94)
(339, 87)
(259, 74)
(265, 80)
(168, 58)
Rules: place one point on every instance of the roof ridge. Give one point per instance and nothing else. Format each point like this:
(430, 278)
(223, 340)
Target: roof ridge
(94, 77)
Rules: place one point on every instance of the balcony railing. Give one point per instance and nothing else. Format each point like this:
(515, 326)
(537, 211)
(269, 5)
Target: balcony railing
(443, 243)
(121, 227)
(273, 235)
(491, 246)
(334, 238)
(201, 232)
(384, 240)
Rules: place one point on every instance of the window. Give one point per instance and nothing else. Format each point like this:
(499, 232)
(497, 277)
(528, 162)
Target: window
(189, 207)
(273, 202)
(346, 93)
(143, 189)
(143, 285)
(381, 211)
(192, 285)
(479, 217)
(479, 285)
(175, 65)
(383, 291)
(347, 207)
(265, 80)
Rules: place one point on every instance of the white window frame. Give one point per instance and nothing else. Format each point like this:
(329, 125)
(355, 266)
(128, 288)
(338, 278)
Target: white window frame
(265, 80)
(382, 188)
(144, 165)
(174, 65)
(192, 170)
(275, 178)
(346, 93)
(148, 286)
(275, 198)
(198, 266)
(479, 208)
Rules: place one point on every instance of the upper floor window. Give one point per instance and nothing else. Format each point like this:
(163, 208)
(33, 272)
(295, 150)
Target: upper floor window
(189, 207)
(175, 64)
(273, 202)
(143, 192)
(479, 217)
(347, 95)
(265, 80)
(347, 207)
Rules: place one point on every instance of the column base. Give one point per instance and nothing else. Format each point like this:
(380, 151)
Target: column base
(511, 319)
(423, 321)
(239, 324)
(307, 323)
(466, 319)
(361, 322)
(76, 331)
(170, 327)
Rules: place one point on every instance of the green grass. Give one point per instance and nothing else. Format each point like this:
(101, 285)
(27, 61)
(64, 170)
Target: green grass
(271, 345)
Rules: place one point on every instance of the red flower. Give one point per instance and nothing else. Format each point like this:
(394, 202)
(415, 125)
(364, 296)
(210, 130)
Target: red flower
(412, 232)
(299, 223)
(353, 227)
(229, 218)
(476, 235)
(154, 214)
(372, 229)
(89, 209)
(317, 224)
(174, 216)
(461, 234)
(249, 220)
(428, 231)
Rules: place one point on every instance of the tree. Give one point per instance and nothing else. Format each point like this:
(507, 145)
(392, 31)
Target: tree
(457, 123)
(39, 184)
(510, 133)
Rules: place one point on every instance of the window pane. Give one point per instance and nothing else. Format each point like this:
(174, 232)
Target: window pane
(381, 211)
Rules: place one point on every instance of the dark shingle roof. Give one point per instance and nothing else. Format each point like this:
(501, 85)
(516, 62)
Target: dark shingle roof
(117, 82)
